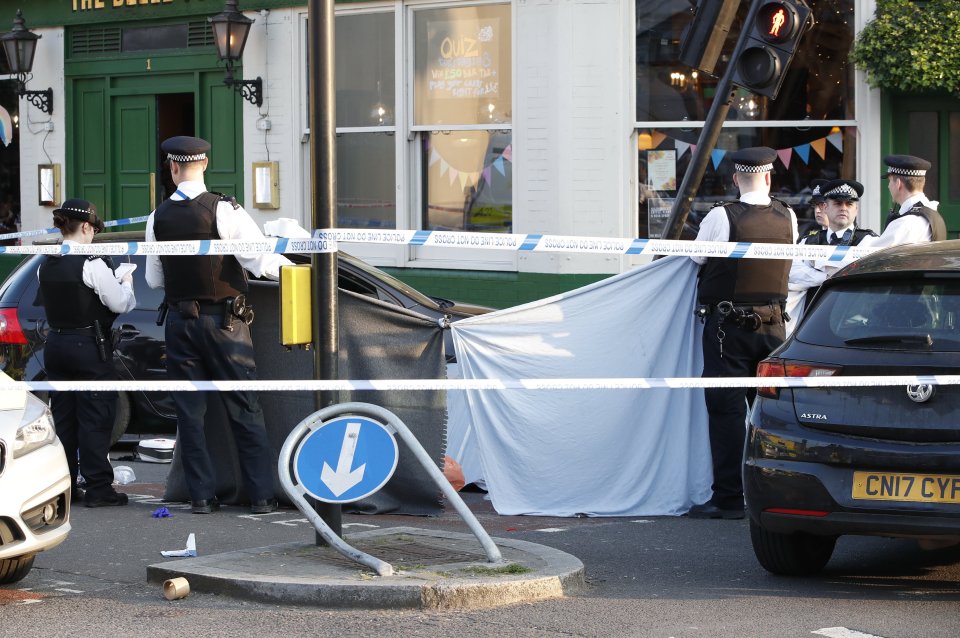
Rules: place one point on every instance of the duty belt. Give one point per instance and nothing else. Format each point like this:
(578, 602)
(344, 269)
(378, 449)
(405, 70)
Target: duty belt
(744, 315)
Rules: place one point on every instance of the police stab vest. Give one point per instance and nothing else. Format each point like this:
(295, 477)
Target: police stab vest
(820, 238)
(749, 281)
(196, 277)
(938, 229)
(69, 302)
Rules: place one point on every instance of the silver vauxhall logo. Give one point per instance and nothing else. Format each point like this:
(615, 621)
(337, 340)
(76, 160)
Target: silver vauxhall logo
(920, 393)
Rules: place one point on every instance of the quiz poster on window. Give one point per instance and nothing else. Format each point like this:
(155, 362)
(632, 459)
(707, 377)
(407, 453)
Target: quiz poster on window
(463, 58)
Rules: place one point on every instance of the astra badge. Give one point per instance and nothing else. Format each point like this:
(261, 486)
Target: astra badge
(814, 415)
(921, 393)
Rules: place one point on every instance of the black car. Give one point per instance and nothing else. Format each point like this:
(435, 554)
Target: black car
(879, 461)
(140, 347)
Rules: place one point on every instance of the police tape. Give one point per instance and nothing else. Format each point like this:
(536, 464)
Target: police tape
(327, 240)
(267, 245)
(49, 231)
(602, 245)
(317, 385)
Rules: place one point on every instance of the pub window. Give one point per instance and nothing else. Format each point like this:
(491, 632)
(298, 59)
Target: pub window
(366, 140)
(462, 117)
(811, 124)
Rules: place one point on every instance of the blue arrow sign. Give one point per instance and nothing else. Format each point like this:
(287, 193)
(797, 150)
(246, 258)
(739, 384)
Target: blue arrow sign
(345, 459)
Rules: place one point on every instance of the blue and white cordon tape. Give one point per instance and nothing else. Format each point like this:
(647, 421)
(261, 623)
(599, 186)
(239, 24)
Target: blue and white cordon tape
(603, 245)
(312, 385)
(325, 241)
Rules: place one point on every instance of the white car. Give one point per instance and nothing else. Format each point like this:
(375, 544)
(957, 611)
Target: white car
(34, 483)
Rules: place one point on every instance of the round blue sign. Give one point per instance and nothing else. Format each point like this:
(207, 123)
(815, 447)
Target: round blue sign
(345, 459)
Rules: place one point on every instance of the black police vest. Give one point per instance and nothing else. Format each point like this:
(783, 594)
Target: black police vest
(196, 277)
(938, 229)
(820, 238)
(69, 302)
(749, 281)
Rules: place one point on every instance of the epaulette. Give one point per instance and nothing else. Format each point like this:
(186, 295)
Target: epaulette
(812, 232)
(230, 199)
(720, 204)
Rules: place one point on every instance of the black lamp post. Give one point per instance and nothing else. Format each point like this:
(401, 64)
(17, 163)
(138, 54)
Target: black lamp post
(19, 46)
(230, 29)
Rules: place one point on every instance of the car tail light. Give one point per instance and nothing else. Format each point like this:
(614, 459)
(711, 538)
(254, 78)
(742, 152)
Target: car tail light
(780, 368)
(10, 330)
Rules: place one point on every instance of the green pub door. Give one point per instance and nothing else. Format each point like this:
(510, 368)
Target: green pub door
(117, 120)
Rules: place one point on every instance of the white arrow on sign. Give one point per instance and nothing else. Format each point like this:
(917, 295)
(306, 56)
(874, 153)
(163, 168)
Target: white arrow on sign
(343, 479)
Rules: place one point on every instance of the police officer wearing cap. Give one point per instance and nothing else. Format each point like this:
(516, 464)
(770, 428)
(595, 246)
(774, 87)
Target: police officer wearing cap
(207, 332)
(741, 304)
(82, 297)
(819, 217)
(841, 206)
(915, 219)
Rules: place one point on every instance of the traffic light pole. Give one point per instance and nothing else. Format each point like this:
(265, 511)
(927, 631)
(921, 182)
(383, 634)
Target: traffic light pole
(323, 178)
(709, 135)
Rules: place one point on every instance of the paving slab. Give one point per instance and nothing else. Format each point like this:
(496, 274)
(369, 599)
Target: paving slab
(434, 569)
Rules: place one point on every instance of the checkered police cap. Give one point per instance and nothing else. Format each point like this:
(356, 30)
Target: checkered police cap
(76, 209)
(185, 149)
(754, 160)
(845, 189)
(907, 165)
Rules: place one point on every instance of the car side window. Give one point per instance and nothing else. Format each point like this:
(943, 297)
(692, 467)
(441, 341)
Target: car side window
(348, 281)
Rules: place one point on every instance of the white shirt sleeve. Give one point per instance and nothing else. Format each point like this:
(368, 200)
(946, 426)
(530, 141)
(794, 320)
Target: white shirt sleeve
(714, 227)
(909, 229)
(803, 275)
(154, 270)
(116, 296)
(236, 223)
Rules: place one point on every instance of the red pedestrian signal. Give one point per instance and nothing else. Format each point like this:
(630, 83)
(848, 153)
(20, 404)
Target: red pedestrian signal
(771, 44)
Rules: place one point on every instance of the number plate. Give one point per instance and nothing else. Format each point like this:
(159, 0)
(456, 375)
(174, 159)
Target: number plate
(911, 488)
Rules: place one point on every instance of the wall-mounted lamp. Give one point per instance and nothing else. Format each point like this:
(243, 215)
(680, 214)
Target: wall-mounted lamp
(20, 45)
(230, 29)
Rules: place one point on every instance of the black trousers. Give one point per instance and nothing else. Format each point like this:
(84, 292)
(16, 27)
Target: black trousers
(727, 407)
(201, 350)
(84, 420)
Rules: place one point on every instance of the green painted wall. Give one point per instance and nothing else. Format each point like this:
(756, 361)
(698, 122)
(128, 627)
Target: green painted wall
(494, 289)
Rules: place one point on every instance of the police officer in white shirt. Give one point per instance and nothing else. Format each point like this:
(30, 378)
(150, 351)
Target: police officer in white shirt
(82, 297)
(207, 331)
(915, 220)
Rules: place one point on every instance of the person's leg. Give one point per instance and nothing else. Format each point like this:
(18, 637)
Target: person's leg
(63, 405)
(95, 415)
(723, 356)
(231, 358)
(185, 362)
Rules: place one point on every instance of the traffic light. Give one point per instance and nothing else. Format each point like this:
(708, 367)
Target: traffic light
(771, 43)
(703, 39)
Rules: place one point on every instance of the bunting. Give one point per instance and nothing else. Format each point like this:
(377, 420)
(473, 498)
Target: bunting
(802, 151)
(470, 178)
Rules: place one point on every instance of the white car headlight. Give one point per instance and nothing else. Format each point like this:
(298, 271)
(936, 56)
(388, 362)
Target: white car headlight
(34, 435)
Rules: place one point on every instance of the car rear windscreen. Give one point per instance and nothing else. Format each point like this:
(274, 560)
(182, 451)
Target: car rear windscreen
(897, 314)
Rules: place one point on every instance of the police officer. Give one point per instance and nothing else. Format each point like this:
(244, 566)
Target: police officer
(741, 302)
(841, 207)
(207, 332)
(819, 216)
(82, 298)
(915, 218)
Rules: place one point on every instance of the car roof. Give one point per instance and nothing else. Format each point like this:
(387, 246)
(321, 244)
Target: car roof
(932, 257)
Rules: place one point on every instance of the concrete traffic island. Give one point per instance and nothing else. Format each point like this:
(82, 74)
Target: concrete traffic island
(433, 570)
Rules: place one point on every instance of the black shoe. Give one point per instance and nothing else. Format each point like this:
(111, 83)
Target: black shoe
(205, 506)
(263, 506)
(709, 510)
(106, 499)
(77, 494)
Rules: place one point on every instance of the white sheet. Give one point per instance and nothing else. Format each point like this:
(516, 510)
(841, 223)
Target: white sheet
(594, 452)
